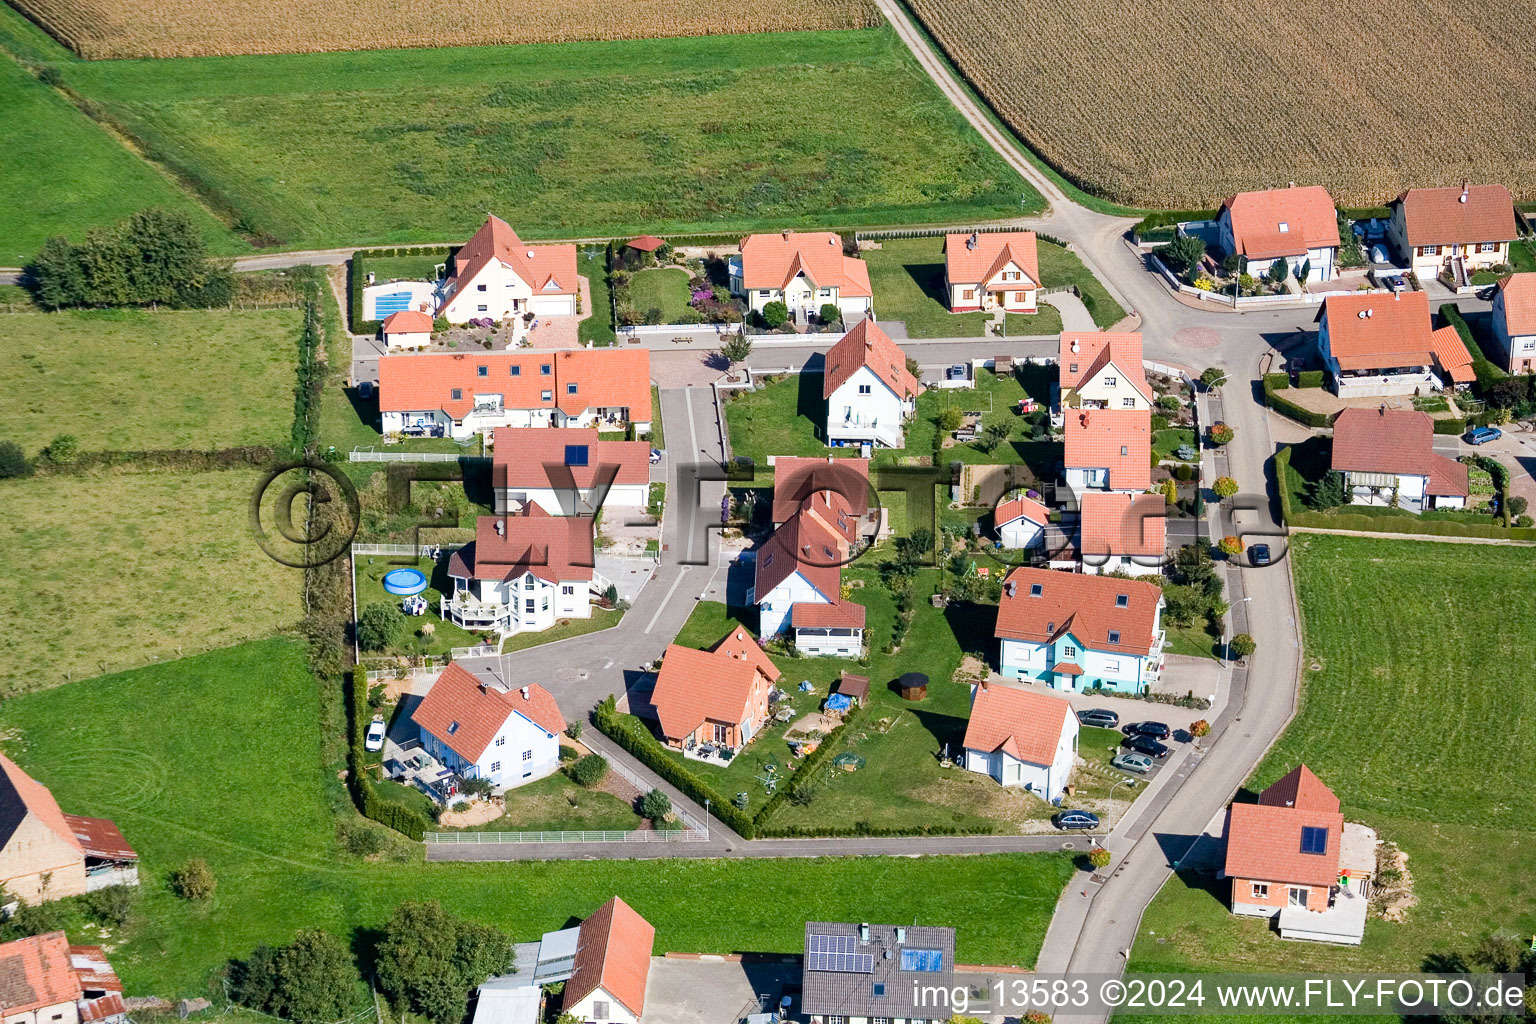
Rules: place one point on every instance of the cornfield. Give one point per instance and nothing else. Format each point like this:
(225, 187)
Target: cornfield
(1165, 104)
(99, 29)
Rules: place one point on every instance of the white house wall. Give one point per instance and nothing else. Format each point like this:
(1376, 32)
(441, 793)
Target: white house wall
(573, 501)
(775, 608)
(1021, 533)
(877, 415)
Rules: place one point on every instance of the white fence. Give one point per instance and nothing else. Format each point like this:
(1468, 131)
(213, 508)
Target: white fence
(675, 835)
(1251, 301)
(402, 549)
(717, 329)
(369, 455)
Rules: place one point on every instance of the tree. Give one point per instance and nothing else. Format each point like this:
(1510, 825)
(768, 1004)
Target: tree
(573, 728)
(1278, 272)
(193, 880)
(589, 770)
(1184, 253)
(380, 627)
(1170, 403)
(1329, 492)
(13, 461)
(1303, 272)
(1222, 434)
(1213, 377)
(63, 450)
(829, 313)
(57, 278)
(653, 315)
(1232, 264)
(1240, 646)
(1170, 491)
(1224, 487)
(1518, 505)
(992, 435)
(154, 257)
(775, 314)
(1495, 954)
(735, 348)
(912, 549)
(1183, 604)
(1231, 545)
(1099, 857)
(950, 420)
(429, 959)
(1199, 728)
(315, 978)
(913, 368)
(655, 805)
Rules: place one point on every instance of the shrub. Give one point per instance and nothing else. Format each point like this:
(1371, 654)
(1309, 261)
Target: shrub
(193, 880)
(63, 450)
(950, 420)
(1241, 646)
(1171, 403)
(1184, 472)
(1524, 521)
(381, 626)
(1098, 857)
(1231, 545)
(312, 979)
(589, 771)
(655, 805)
(573, 729)
(1224, 487)
(1221, 434)
(1184, 253)
(1212, 376)
(360, 839)
(111, 905)
(1200, 728)
(1310, 379)
(1518, 505)
(775, 314)
(829, 313)
(13, 461)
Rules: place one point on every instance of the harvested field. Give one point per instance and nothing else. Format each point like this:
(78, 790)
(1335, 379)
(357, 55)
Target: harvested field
(201, 28)
(1177, 105)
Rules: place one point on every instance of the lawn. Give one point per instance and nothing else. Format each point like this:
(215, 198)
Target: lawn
(117, 569)
(171, 753)
(63, 174)
(406, 268)
(716, 133)
(132, 380)
(556, 804)
(1166, 443)
(1418, 730)
(907, 275)
(661, 288)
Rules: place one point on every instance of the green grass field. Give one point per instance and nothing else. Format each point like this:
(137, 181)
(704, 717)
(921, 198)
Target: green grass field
(1420, 731)
(134, 380)
(63, 174)
(703, 134)
(219, 757)
(115, 569)
(663, 288)
(556, 804)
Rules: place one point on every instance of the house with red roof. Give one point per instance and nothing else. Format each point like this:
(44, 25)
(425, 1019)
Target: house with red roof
(1074, 631)
(1388, 455)
(406, 329)
(523, 573)
(1122, 533)
(460, 394)
(1021, 738)
(479, 730)
(798, 580)
(46, 854)
(1298, 225)
(992, 269)
(570, 472)
(1375, 345)
(613, 966)
(1101, 370)
(498, 275)
(870, 392)
(1107, 450)
(45, 980)
(1291, 856)
(805, 270)
(713, 698)
(1020, 522)
(1514, 322)
(1453, 231)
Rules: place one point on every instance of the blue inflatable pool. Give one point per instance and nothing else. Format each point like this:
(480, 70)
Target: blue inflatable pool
(405, 582)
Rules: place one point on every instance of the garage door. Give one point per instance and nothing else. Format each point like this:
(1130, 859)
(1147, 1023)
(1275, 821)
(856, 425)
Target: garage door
(555, 305)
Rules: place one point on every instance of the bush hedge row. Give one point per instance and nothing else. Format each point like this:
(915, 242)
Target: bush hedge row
(1289, 409)
(406, 820)
(1311, 378)
(164, 458)
(357, 279)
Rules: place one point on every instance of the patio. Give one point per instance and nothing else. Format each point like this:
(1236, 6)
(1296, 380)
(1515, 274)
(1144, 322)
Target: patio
(410, 764)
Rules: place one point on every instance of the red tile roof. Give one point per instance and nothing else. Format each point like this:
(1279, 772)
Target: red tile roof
(1123, 524)
(100, 837)
(698, 686)
(1394, 333)
(1283, 221)
(1437, 216)
(536, 457)
(867, 345)
(1264, 839)
(1022, 507)
(1395, 441)
(796, 479)
(992, 251)
(20, 794)
(1451, 355)
(1519, 292)
(1119, 440)
(553, 548)
(840, 614)
(547, 269)
(1085, 353)
(605, 378)
(645, 243)
(466, 714)
(1023, 723)
(407, 321)
(802, 544)
(91, 966)
(613, 952)
(772, 261)
(1299, 787)
(1086, 606)
(35, 972)
(742, 646)
(425, 382)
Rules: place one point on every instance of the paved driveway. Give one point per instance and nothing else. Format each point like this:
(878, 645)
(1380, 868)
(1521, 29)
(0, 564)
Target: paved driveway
(717, 991)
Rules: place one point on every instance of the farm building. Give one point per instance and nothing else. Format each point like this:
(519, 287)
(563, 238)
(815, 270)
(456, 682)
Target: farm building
(869, 391)
(46, 854)
(1374, 346)
(1297, 225)
(1453, 232)
(478, 730)
(988, 270)
(1021, 738)
(803, 270)
(1388, 455)
(48, 981)
(497, 275)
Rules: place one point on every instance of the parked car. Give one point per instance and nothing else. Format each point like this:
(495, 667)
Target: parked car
(1138, 763)
(1145, 745)
(1157, 730)
(374, 740)
(655, 456)
(1068, 820)
(1259, 554)
(1482, 435)
(365, 389)
(1099, 718)
(1395, 282)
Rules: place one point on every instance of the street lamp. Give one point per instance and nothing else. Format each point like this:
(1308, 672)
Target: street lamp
(1241, 600)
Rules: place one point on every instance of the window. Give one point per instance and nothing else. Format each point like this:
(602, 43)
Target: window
(764, 292)
(545, 369)
(826, 293)
(1430, 250)
(501, 741)
(546, 395)
(528, 605)
(1122, 600)
(1125, 450)
(1129, 403)
(1069, 651)
(1036, 589)
(1314, 840)
(600, 1009)
(482, 371)
(1261, 890)
(1285, 228)
(879, 988)
(1072, 368)
(457, 393)
(969, 293)
(453, 727)
(880, 1020)
(570, 389)
(864, 389)
(1114, 636)
(1487, 247)
(544, 606)
(482, 309)
(495, 767)
(1296, 897)
(567, 590)
(1021, 297)
(1111, 382)
(479, 287)
(836, 1019)
(527, 755)
(576, 454)
(721, 732)
(517, 371)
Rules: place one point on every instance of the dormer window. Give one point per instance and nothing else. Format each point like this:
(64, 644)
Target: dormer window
(1122, 600)
(453, 727)
(1114, 636)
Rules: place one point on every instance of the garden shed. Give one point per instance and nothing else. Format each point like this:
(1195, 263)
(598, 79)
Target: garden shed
(912, 686)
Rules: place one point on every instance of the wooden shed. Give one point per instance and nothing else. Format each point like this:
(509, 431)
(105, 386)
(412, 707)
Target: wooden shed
(912, 686)
(856, 687)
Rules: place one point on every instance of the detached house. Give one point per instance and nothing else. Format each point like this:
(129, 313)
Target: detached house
(406, 329)
(1122, 533)
(1388, 455)
(988, 270)
(1297, 225)
(1021, 738)
(522, 573)
(1455, 231)
(479, 730)
(568, 472)
(497, 275)
(1292, 857)
(876, 973)
(1514, 322)
(45, 980)
(717, 697)
(612, 966)
(869, 391)
(803, 270)
(1375, 346)
(1102, 370)
(1078, 632)
(46, 854)
(1107, 450)
(1020, 522)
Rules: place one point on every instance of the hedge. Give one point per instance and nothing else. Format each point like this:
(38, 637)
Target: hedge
(1282, 465)
(1450, 426)
(397, 816)
(1170, 218)
(1277, 381)
(163, 458)
(1289, 409)
(357, 279)
(1365, 212)
(1310, 379)
(809, 767)
(1500, 476)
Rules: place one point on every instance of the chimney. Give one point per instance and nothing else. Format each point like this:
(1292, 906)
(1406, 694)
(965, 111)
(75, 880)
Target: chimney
(1290, 184)
(524, 692)
(1074, 345)
(1383, 409)
(786, 234)
(1464, 190)
(864, 932)
(1397, 296)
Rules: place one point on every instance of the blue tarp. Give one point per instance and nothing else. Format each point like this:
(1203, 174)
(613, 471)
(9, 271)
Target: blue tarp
(839, 702)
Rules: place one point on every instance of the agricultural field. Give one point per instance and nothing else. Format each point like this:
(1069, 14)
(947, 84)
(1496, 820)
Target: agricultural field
(116, 569)
(1147, 109)
(719, 133)
(169, 752)
(132, 380)
(1418, 732)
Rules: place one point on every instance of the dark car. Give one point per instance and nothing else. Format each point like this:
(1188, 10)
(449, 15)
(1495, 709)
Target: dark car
(1099, 718)
(1259, 554)
(1145, 745)
(1067, 820)
(1157, 730)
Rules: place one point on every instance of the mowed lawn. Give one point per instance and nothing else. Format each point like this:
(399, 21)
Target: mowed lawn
(717, 133)
(112, 570)
(1419, 720)
(661, 288)
(220, 757)
(132, 380)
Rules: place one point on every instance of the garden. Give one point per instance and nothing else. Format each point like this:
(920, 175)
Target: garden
(1187, 258)
(666, 286)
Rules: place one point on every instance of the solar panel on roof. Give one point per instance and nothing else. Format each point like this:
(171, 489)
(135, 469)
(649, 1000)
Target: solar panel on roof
(835, 953)
(575, 455)
(929, 961)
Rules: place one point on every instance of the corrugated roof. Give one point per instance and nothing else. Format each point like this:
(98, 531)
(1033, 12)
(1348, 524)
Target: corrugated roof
(867, 345)
(95, 972)
(100, 837)
(1437, 216)
(1283, 221)
(613, 953)
(1086, 606)
(466, 714)
(1025, 724)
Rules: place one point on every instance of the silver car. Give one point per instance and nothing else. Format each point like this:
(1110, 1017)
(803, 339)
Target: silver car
(1129, 762)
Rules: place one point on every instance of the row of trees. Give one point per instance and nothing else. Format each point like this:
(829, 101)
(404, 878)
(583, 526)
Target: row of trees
(155, 257)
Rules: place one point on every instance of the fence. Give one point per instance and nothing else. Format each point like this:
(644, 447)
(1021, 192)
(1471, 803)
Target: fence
(369, 455)
(678, 835)
(1249, 301)
(402, 549)
(987, 229)
(719, 330)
